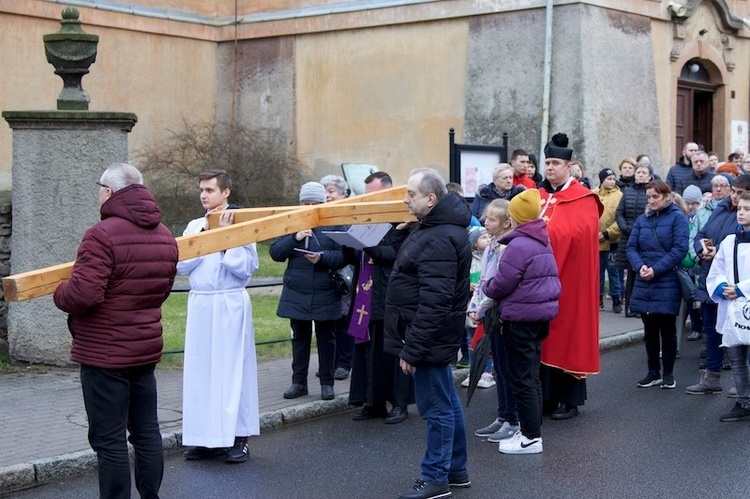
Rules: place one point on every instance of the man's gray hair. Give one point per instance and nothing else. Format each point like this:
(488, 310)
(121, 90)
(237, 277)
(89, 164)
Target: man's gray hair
(120, 175)
(431, 183)
(336, 181)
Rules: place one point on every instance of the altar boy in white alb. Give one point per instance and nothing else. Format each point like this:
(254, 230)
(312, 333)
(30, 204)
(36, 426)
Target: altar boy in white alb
(220, 380)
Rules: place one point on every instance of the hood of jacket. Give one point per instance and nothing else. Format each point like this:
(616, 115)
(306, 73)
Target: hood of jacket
(450, 209)
(135, 204)
(536, 229)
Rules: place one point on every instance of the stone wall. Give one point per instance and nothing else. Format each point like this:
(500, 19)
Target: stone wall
(5, 231)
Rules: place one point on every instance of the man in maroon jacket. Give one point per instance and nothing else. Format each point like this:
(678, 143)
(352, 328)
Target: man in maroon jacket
(123, 273)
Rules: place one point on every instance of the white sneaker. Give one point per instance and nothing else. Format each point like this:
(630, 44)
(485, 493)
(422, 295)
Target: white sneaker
(486, 381)
(465, 382)
(518, 444)
(506, 431)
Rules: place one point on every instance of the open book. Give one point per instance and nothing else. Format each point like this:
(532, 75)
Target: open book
(360, 236)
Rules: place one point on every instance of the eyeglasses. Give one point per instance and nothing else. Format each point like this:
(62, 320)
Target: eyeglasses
(102, 185)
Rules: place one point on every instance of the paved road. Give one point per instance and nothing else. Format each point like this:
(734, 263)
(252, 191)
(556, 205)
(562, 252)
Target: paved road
(627, 442)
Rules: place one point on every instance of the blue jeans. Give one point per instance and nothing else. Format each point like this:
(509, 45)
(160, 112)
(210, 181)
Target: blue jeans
(116, 400)
(714, 353)
(438, 405)
(741, 373)
(615, 274)
(506, 401)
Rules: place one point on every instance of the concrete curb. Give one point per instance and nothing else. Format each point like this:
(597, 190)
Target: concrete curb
(27, 475)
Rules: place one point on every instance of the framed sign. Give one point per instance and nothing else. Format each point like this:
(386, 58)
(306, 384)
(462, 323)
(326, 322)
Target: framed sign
(471, 165)
(355, 175)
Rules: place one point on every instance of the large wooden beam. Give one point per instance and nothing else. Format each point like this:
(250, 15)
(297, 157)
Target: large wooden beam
(36, 283)
(248, 214)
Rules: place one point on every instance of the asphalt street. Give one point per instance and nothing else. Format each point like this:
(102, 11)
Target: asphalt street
(627, 442)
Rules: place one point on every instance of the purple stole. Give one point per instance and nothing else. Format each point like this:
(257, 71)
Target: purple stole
(361, 309)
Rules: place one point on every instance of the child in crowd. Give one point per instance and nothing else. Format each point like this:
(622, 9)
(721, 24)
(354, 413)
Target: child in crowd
(527, 289)
(482, 308)
(728, 280)
(479, 240)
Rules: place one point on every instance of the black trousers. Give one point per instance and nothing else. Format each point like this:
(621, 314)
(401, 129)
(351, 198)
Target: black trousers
(660, 327)
(376, 375)
(344, 344)
(523, 353)
(325, 333)
(117, 400)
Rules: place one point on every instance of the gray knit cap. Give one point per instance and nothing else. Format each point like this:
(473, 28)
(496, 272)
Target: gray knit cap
(312, 191)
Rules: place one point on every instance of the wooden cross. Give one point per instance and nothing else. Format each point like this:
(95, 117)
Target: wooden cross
(250, 225)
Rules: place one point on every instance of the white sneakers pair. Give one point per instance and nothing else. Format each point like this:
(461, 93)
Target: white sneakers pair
(485, 381)
(519, 444)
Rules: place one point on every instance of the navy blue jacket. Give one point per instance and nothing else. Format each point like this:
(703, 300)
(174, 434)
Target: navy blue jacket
(681, 176)
(663, 253)
(308, 293)
(428, 289)
(486, 193)
(721, 223)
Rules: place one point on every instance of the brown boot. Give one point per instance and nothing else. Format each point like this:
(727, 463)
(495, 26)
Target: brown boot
(710, 383)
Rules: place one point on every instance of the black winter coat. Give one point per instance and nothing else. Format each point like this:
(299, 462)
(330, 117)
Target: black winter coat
(428, 288)
(632, 205)
(308, 292)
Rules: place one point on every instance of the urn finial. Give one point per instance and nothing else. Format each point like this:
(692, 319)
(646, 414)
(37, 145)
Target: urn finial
(71, 51)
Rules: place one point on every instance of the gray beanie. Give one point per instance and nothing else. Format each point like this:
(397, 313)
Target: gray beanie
(474, 234)
(312, 191)
(692, 194)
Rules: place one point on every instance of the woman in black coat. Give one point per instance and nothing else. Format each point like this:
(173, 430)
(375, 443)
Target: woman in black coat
(308, 295)
(632, 205)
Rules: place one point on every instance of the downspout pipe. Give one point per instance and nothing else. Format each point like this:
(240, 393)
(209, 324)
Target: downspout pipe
(547, 77)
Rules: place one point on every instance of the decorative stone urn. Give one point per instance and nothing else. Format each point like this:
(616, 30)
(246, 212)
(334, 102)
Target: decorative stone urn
(71, 52)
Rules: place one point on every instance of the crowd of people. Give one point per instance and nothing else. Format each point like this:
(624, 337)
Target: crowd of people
(524, 265)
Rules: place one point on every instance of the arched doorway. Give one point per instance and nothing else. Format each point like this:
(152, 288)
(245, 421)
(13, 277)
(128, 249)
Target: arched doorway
(695, 106)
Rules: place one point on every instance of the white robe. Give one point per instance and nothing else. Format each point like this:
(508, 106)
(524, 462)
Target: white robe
(722, 270)
(220, 376)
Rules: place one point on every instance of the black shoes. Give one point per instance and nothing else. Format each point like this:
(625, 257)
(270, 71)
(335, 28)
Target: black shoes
(616, 305)
(239, 453)
(565, 412)
(397, 415)
(738, 413)
(425, 490)
(370, 412)
(326, 392)
(341, 373)
(198, 453)
(694, 336)
(295, 391)
(459, 480)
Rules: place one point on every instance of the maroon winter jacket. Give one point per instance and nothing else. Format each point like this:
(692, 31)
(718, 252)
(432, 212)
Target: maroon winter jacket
(124, 271)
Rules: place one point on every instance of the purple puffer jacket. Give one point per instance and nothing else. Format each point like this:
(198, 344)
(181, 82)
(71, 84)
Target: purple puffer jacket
(526, 283)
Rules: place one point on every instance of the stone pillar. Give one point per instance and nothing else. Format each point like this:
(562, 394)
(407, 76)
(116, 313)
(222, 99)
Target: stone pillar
(58, 156)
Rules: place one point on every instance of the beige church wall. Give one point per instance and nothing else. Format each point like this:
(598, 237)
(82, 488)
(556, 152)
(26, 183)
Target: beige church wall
(162, 79)
(384, 96)
(709, 48)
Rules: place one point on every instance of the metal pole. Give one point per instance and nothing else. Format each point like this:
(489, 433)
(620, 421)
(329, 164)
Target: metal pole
(547, 77)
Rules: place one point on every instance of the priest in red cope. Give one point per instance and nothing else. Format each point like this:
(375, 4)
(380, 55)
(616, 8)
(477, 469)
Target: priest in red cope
(571, 351)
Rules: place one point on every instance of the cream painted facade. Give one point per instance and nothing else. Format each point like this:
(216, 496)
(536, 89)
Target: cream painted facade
(382, 84)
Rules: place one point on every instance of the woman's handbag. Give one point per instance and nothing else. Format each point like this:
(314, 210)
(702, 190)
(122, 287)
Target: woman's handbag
(736, 330)
(342, 279)
(687, 286)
